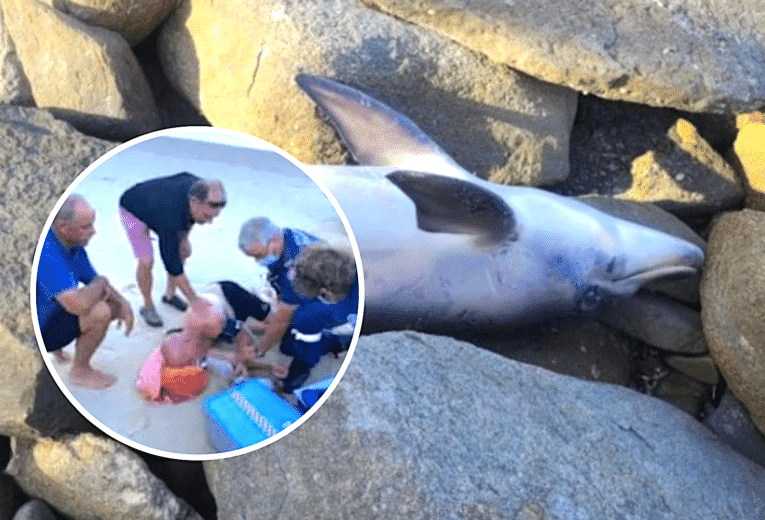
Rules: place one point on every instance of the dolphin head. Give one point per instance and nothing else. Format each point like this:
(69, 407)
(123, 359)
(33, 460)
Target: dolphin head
(648, 245)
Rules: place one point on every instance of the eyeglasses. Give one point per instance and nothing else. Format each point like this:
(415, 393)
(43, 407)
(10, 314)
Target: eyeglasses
(216, 203)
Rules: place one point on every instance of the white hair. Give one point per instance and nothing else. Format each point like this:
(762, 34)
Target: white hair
(257, 230)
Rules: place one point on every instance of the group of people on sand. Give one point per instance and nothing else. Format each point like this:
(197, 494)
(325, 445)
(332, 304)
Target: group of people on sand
(312, 313)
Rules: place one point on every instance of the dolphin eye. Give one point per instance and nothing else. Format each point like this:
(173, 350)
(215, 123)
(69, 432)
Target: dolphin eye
(591, 299)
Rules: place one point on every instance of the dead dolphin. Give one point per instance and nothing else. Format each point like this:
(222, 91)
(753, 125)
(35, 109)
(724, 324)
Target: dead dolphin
(442, 248)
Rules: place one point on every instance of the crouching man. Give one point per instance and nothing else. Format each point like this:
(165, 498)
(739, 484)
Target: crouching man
(67, 311)
(323, 325)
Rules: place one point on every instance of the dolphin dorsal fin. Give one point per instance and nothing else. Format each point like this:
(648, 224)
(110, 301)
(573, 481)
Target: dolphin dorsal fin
(374, 133)
(448, 205)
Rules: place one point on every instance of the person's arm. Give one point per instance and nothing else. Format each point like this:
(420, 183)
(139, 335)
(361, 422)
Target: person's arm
(169, 250)
(182, 283)
(121, 308)
(276, 325)
(80, 301)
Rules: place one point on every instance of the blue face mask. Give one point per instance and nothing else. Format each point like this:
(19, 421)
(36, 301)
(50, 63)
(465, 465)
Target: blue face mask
(268, 260)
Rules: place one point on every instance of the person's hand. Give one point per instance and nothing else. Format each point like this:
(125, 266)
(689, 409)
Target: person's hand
(125, 316)
(102, 284)
(240, 370)
(245, 350)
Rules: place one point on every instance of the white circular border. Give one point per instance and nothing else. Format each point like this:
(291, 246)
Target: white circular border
(257, 143)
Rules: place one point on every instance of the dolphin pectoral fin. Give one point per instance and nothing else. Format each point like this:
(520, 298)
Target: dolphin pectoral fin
(447, 205)
(374, 133)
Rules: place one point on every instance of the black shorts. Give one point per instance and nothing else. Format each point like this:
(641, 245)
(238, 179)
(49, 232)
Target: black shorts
(244, 303)
(62, 328)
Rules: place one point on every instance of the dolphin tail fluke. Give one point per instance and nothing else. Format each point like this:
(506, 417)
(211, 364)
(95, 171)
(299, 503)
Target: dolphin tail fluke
(448, 205)
(375, 134)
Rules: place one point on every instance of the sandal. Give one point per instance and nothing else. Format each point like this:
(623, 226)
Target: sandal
(151, 316)
(176, 302)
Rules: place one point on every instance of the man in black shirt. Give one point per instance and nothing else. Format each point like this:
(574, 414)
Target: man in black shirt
(169, 206)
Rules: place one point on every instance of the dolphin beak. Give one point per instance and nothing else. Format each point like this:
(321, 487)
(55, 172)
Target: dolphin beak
(655, 256)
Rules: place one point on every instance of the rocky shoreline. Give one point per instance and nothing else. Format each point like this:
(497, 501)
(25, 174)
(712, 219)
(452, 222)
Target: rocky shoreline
(646, 102)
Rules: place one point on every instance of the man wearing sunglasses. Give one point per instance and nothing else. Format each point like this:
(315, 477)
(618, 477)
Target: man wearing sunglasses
(169, 206)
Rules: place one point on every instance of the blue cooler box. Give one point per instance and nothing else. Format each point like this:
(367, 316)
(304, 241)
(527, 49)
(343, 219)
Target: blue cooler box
(246, 414)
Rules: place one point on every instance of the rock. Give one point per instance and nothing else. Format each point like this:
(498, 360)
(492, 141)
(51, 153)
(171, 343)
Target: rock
(89, 77)
(700, 58)
(14, 86)
(34, 510)
(749, 148)
(41, 157)
(91, 477)
(11, 497)
(186, 479)
(700, 368)
(733, 425)
(684, 176)
(733, 306)
(662, 323)
(493, 121)
(133, 19)
(682, 392)
(582, 348)
(429, 427)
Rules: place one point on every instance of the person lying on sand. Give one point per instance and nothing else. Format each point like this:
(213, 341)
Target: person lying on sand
(174, 372)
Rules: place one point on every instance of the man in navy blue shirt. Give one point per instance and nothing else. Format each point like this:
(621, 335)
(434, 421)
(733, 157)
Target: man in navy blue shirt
(67, 311)
(169, 206)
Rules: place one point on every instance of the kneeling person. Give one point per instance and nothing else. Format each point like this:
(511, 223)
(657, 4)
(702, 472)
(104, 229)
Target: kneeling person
(328, 276)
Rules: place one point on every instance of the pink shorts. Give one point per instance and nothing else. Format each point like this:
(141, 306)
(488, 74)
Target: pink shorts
(138, 234)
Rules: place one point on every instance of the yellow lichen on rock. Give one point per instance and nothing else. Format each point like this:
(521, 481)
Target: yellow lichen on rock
(687, 132)
(749, 147)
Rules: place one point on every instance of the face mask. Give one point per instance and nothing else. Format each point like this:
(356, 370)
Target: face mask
(323, 299)
(268, 260)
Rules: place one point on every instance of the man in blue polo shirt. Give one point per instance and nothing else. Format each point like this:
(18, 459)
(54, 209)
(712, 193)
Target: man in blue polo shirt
(168, 206)
(276, 249)
(67, 311)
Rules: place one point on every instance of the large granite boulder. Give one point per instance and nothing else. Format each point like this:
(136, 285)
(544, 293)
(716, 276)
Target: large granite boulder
(492, 120)
(733, 306)
(90, 477)
(700, 57)
(83, 74)
(429, 427)
(14, 87)
(40, 157)
(133, 19)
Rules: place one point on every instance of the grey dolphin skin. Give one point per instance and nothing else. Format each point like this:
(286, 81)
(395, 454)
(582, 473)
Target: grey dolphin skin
(442, 248)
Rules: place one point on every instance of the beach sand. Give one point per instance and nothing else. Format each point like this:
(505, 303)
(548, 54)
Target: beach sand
(258, 183)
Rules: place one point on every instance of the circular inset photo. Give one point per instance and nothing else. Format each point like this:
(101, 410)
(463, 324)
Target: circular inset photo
(196, 294)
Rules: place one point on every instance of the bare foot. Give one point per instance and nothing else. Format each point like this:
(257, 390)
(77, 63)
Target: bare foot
(61, 356)
(91, 378)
